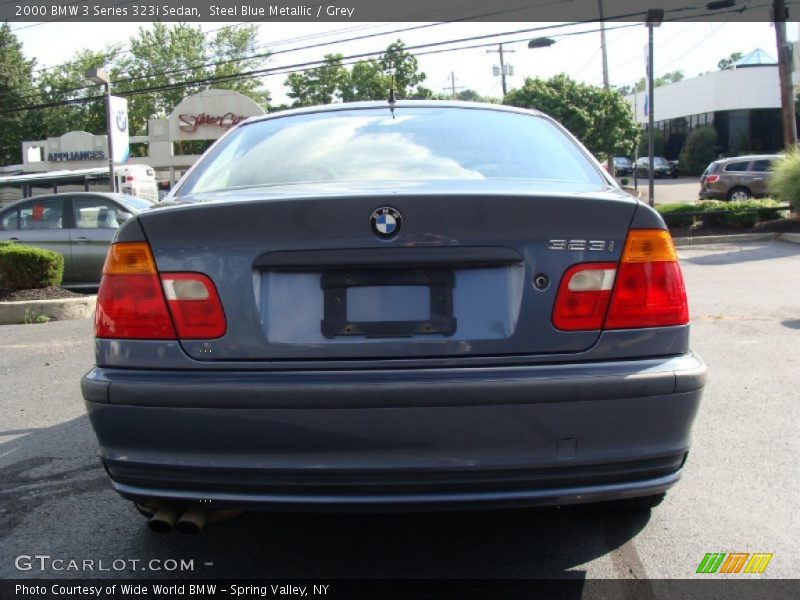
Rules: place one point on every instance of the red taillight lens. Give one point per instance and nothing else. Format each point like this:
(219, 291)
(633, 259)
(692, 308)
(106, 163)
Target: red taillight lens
(649, 291)
(134, 303)
(130, 303)
(132, 307)
(712, 178)
(648, 294)
(195, 306)
(583, 296)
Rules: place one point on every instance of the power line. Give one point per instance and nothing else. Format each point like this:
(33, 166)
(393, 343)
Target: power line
(329, 43)
(311, 64)
(412, 16)
(287, 69)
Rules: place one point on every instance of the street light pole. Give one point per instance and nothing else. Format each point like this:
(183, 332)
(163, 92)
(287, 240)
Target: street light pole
(100, 77)
(654, 18)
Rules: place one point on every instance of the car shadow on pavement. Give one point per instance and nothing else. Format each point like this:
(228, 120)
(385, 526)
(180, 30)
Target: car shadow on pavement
(57, 499)
(791, 323)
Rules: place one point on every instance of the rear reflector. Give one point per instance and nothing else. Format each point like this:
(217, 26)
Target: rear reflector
(583, 296)
(645, 290)
(133, 302)
(195, 306)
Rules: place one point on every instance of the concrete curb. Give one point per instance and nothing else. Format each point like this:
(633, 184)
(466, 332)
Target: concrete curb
(794, 238)
(717, 239)
(60, 309)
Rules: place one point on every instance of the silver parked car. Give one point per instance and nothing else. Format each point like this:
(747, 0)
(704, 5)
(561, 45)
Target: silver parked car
(421, 305)
(79, 225)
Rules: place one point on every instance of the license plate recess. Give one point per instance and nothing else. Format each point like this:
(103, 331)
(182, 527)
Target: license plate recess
(440, 283)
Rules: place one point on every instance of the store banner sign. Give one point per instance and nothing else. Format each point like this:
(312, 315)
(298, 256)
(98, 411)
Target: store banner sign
(119, 129)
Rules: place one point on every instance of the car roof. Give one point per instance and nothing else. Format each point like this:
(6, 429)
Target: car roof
(748, 158)
(399, 105)
(113, 196)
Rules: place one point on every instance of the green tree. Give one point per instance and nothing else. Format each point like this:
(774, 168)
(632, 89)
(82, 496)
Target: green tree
(16, 90)
(237, 52)
(727, 63)
(469, 96)
(366, 80)
(67, 83)
(178, 55)
(320, 85)
(641, 85)
(699, 150)
(407, 76)
(601, 119)
(659, 144)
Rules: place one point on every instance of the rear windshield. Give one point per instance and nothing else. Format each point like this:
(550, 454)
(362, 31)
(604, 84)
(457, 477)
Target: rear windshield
(371, 144)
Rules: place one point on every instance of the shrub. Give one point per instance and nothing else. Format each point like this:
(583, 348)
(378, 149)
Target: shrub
(743, 214)
(713, 220)
(700, 150)
(672, 216)
(747, 213)
(785, 181)
(25, 267)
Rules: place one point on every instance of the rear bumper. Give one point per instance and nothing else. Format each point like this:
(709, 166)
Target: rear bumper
(399, 439)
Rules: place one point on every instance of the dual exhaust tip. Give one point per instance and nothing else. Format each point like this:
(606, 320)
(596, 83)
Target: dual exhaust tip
(166, 517)
(169, 517)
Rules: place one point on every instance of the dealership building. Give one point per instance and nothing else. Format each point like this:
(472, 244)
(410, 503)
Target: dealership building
(171, 145)
(742, 103)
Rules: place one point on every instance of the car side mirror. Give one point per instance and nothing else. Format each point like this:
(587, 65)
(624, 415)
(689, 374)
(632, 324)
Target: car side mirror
(123, 216)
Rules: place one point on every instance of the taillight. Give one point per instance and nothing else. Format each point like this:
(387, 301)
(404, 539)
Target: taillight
(195, 306)
(133, 302)
(649, 291)
(712, 178)
(583, 296)
(645, 290)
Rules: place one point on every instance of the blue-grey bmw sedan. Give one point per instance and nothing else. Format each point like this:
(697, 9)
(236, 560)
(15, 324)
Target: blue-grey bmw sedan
(406, 306)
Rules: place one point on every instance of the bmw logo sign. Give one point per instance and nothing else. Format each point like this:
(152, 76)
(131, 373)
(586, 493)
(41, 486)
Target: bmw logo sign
(122, 120)
(386, 222)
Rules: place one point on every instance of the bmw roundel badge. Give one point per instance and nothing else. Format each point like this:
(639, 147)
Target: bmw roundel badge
(386, 222)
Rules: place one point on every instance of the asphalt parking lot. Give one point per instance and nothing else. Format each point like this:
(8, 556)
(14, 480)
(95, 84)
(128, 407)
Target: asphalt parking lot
(739, 492)
(669, 191)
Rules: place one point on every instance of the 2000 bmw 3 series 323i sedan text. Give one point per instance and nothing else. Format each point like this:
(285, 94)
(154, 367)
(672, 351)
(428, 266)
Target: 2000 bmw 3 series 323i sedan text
(411, 306)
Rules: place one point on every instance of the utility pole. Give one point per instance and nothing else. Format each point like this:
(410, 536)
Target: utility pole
(609, 151)
(503, 69)
(654, 18)
(603, 43)
(452, 86)
(785, 74)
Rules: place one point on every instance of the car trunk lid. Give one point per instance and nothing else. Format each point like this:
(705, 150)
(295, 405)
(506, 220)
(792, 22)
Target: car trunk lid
(302, 274)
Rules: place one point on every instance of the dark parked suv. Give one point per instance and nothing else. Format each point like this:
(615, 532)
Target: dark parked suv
(737, 178)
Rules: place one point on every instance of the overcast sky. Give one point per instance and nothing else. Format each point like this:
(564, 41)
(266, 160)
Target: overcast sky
(691, 47)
